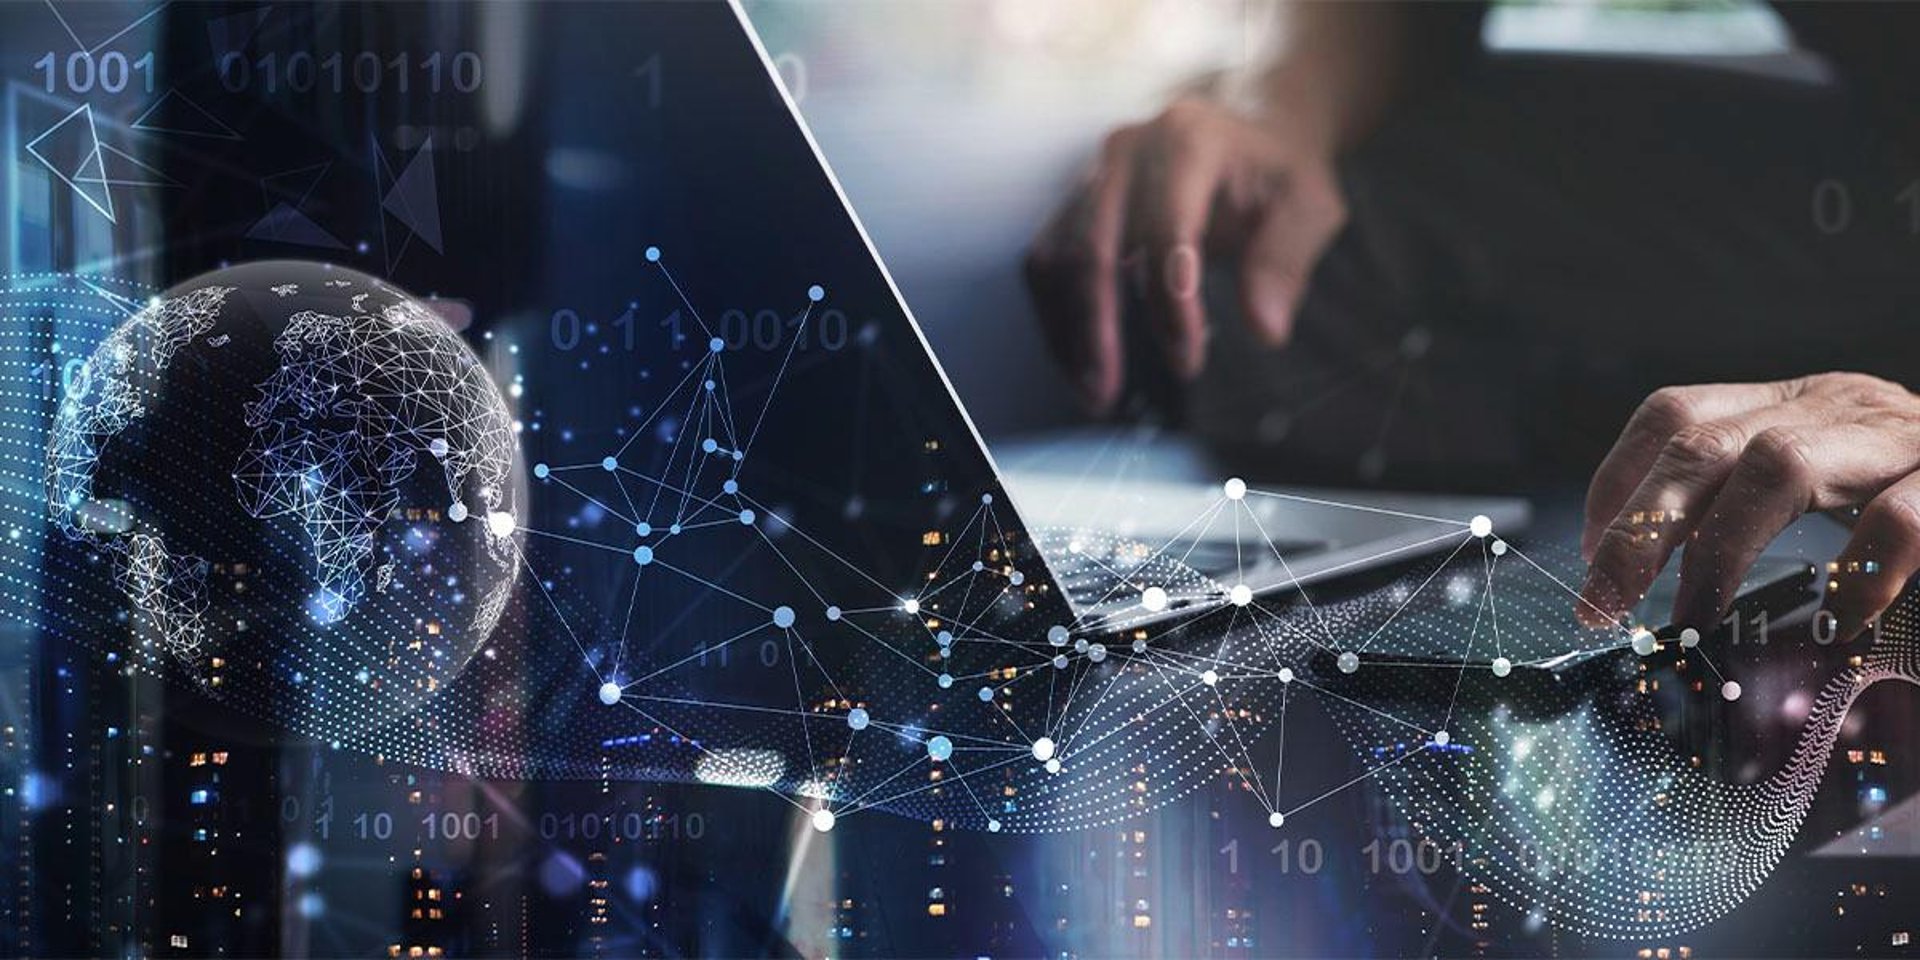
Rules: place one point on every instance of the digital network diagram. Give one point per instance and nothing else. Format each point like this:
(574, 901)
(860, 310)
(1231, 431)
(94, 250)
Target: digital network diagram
(761, 548)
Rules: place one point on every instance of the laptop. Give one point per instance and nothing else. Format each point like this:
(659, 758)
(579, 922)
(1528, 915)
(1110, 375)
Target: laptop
(1138, 484)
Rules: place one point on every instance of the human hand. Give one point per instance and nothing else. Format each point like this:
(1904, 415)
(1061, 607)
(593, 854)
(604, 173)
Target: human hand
(1724, 468)
(1197, 180)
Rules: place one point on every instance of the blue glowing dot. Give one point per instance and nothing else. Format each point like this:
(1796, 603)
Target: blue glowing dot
(857, 718)
(986, 498)
(653, 254)
(943, 638)
(939, 748)
(708, 386)
(716, 344)
(746, 517)
(739, 455)
(833, 613)
(945, 681)
(673, 529)
(731, 486)
(709, 445)
(643, 555)
(816, 293)
(986, 694)
(540, 470)
(609, 464)
(643, 528)
(609, 693)
(783, 616)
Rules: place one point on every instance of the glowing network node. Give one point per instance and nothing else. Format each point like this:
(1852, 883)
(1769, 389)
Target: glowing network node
(1502, 666)
(1348, 661)
(986, 694)
(1053, 766)
(823, 820)
(1016, 578)
(1240, 595)
(1286, 674)
(833, 613)
(643, 554)
(731, 486)
(945, 680)
(643, 528)
(716, 344)
(1499, 548)
(1057, 635)
(540, 470)
(939, 748)
(1644, 643)
(993, 826)
(1276, 819)
(1480, 525)
(457, 512)
(1689, 638)
(1153, 599)
(1442, 738)
(1209, 676)
(857, 718)
(783, 616)
(609, 464)
(1097, 652)
(910, 605)
(816, 293)
(653, 254)
(709, 445)
(500, 523)
(1235, 489)
(1059, 661)
(1730, 690)
(1043, 749)
(438, 447)
(609, 693)
(747, 517)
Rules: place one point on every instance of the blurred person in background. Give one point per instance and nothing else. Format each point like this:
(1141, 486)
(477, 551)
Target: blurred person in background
(1391, 256)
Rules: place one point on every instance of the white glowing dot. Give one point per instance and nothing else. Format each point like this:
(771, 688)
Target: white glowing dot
(1643, 642)
(1286, 674)
(609, 693)
(1502, 666)
(1276, 819)
(1730, 690)
(1241, 595)
(1153, 599)
(1349, 662)
(500, 523)
(1057, 635)
(1689, 638)
(910, 605)
(1236, 489)
(1481, 525)
(1209, 678)
(1499, 548)
(993, 826)
(457, 512)
(1053, 766)
(1442, 738)
(1043, 749)
(823, 820)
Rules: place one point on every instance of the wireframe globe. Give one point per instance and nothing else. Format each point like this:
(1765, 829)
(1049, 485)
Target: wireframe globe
(302, 484)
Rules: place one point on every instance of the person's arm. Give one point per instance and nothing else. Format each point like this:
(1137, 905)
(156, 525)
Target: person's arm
(1203, 178)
